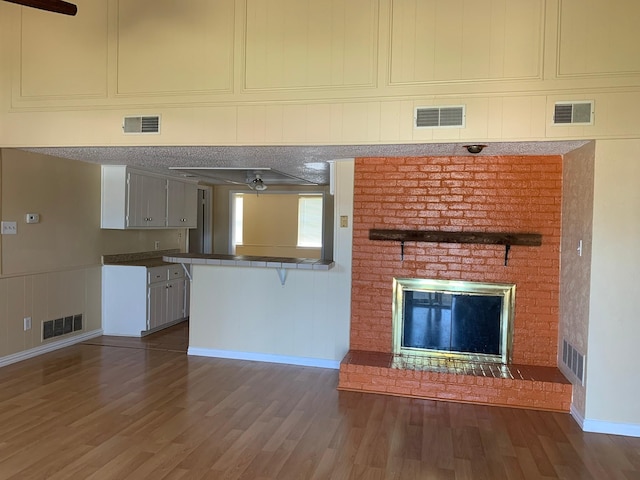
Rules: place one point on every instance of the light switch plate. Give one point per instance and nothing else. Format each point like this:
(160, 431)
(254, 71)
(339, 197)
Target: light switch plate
(9, 228)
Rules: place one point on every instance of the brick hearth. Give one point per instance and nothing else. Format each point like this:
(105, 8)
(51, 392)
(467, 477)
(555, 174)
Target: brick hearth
(483, 194)
(543, 388)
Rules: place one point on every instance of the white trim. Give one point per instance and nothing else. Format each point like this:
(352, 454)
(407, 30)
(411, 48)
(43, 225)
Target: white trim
(577, 416)
(610, 428)
(264, 357)
(49, 347)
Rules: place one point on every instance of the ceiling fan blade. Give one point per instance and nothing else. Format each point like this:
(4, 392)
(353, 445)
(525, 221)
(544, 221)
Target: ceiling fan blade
(57, 6)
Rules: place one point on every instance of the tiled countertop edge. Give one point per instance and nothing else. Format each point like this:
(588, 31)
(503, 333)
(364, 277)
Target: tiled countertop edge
(137, 256)
(250, 261)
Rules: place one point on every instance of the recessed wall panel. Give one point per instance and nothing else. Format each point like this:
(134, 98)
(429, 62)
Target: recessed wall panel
(164, 46)
(465, 40)
(294, 44)
(63, 56)
(597, 37)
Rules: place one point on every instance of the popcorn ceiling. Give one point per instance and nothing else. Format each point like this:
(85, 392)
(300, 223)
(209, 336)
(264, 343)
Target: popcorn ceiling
(306, 162)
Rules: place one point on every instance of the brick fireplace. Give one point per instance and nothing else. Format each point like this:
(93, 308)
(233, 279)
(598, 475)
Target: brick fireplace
(475, 194)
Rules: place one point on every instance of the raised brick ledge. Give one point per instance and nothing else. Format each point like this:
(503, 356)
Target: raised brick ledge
(524, 386)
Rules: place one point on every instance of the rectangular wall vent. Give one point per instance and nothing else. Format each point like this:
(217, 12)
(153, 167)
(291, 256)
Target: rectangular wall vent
(571, 113)
(439, 117)
(61, 326)
(149, 124)
(574, 360)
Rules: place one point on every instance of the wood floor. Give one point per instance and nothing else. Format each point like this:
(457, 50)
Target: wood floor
(121, 409)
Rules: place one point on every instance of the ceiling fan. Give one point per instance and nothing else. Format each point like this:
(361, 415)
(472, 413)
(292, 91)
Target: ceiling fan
(56, 6)
(256, 184)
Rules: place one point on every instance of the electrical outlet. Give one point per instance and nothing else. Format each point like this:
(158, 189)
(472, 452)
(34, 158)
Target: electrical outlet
(9, 228)
(27, 323)
(156, 245)
(344, 221)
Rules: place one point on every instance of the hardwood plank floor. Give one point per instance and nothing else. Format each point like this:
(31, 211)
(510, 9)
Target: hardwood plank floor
(121, 409)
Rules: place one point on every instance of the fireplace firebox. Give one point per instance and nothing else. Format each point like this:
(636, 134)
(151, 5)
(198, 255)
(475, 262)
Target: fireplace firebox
(458, 320)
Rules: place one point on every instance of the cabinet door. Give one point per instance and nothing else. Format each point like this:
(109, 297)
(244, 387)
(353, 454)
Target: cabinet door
(175, 299)
(136, 201)
(157, 306)
(182, 204)
(146, 201)
(156, 195)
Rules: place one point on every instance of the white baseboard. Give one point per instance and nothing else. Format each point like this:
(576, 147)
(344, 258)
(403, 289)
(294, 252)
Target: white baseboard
(577, 416)
(49, 347)
(610, 428)
(265, 357)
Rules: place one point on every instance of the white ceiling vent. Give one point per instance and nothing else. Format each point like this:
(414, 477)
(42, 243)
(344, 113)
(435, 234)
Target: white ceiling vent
(150, 124)
(573, 113)
(439, 117)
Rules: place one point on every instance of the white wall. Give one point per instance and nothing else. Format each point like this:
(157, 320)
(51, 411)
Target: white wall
(247, 72)
(613, 383)
(246, 313)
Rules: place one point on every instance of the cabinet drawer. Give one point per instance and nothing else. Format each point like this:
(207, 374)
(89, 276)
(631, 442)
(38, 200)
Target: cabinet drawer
(175, 271)
(156, 274)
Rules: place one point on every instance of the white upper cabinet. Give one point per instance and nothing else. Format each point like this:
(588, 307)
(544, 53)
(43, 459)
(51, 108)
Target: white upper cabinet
(146, 197)
(137, 199)
(182, 203)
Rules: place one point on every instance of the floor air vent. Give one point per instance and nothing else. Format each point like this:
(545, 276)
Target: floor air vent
(574, 360)
(141, 124)
(439, 117)
(570, 113)
(61, 326)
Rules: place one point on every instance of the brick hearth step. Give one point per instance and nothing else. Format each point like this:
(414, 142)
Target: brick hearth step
(525, 386)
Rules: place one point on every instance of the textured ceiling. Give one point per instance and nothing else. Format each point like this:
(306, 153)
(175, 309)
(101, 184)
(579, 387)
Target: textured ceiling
(304, 162)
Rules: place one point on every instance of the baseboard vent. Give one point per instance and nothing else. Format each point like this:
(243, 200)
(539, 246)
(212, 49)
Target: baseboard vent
(573, 113)
(61, 326)
(439, 117)
(150, 124)
(574, 360)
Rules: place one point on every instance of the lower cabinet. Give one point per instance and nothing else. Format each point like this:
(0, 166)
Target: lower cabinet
(139, 300)
(166, 296)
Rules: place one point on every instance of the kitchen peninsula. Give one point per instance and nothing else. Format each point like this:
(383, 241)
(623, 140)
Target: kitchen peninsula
(268, 309)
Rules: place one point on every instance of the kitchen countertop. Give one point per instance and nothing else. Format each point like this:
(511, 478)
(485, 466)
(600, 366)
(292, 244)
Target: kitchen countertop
(148, 259)
(249, 261)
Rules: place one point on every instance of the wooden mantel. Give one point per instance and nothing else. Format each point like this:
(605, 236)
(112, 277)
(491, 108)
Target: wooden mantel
(485, 238)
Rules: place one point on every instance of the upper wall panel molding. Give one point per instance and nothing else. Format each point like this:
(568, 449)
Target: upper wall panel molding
(72, 51)
(597, 38)
(169, 47)
(465, 41)
(293, 45)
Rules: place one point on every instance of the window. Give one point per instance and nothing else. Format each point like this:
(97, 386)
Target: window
(287, 224)
(310, 221)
